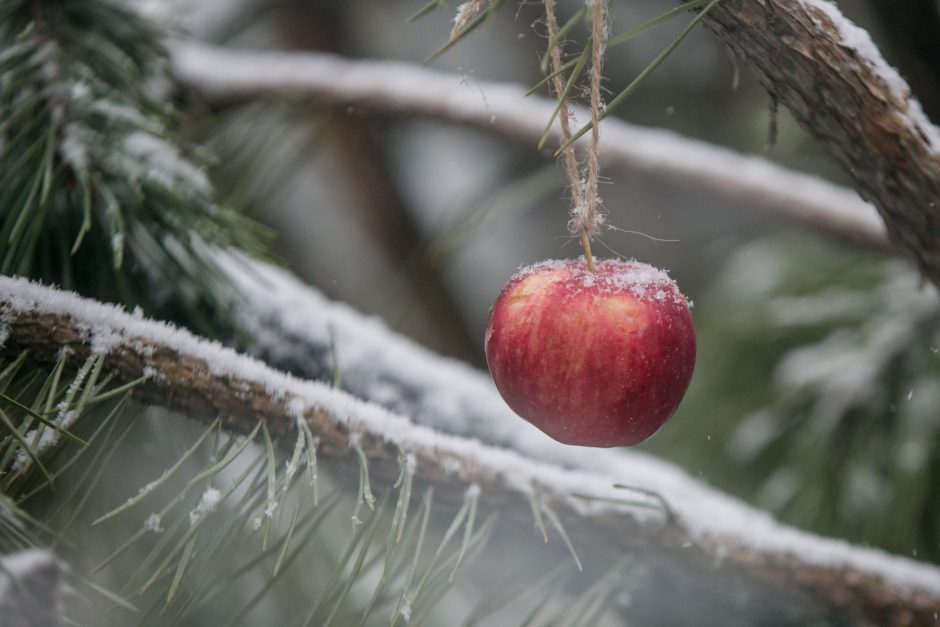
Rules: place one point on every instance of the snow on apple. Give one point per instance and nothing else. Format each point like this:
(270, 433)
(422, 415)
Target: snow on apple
(593, 359)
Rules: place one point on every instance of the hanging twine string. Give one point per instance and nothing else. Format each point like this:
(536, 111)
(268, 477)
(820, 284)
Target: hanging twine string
(590, 216)
(564, 115)
(585, 214)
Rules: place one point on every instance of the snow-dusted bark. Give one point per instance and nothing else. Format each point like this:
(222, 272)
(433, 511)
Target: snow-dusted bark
(221, 74)
(830, 75)
(709, 535)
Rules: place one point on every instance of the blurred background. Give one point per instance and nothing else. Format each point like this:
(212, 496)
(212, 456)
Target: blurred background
(817, 387)
(404, 197)
(795, 405)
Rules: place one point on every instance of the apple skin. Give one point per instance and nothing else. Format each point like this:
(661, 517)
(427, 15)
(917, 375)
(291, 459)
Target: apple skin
(592, 359)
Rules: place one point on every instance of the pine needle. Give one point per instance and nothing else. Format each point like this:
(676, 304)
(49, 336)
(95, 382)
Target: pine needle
(110, 595)
(548, 77)
(41, 418)
(26, 448)
(439, 583)
(624, 37)
(393, 553)
(308, 529)
(649, 69)
(466, 30)
(180, 569)
(286, 542)
(556, 523)
(409, 577)
(271, 502)
(472, 496)
(560, 36)
(403, 483)
(311, 449)
(427, 8)
(153, 485)
(579, 66)
(230, 457)
(536, 507)
(358, 535)
(364, 494)
(506, 594)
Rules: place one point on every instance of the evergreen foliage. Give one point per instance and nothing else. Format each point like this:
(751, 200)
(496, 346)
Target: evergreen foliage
(165, 555)
(844, 438)
(98, 194)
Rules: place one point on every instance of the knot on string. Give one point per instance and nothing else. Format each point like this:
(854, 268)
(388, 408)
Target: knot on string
(587, 218)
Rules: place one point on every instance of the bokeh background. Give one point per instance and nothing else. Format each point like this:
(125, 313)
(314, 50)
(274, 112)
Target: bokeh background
(817, 387)
(421, 222)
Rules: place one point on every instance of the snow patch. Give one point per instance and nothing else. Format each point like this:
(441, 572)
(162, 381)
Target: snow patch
(143, 156)
(74, 146)
(610, 276)
(19, 571)
(860, 41)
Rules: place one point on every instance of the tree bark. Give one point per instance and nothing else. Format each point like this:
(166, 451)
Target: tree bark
(825, 70)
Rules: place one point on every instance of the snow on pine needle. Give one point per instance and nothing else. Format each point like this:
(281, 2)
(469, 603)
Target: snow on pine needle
(99, 193)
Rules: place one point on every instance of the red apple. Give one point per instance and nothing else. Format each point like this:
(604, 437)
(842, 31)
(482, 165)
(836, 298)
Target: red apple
(593, 359)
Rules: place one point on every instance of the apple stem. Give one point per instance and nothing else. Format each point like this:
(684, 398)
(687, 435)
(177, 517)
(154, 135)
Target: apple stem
(586, 245)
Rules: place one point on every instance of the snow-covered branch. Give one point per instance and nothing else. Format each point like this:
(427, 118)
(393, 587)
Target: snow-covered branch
(223, 74)
(839, 87)
(710, 536)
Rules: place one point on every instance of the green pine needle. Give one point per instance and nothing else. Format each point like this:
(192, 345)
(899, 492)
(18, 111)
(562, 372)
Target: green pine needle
(92, 174)
(471, 26)
(649, 69)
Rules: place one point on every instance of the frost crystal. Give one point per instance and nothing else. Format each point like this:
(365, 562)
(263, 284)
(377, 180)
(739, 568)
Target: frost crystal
(269, 509)
(152, 485)
(153, 523)
(612, 276)
(405, 611)
(207, 503)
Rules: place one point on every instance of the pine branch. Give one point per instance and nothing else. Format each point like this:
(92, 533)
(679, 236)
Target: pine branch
(838, 86)
(97, 192)
(400, 89)
(204, 380)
